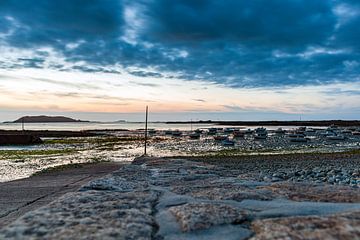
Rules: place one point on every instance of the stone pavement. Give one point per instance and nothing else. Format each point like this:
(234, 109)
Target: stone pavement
(156, 198)
(20, 196)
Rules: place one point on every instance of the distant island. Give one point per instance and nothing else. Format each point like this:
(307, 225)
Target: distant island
(45, 119)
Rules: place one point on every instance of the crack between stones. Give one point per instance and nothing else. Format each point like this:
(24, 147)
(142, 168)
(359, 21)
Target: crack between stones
(154, 211)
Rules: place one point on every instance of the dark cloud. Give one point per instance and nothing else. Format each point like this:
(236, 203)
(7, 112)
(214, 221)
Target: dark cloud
(58, 22)
(276, 22)
(146, 74)
(237, 43)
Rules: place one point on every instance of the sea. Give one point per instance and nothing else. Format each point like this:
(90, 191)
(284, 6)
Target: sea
(80, 126)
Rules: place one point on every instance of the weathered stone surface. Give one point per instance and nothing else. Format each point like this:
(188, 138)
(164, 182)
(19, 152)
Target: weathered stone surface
(315, 192)
(196, 216)
(178, 199)
(344, 226)
(113, 183)
(89, 214)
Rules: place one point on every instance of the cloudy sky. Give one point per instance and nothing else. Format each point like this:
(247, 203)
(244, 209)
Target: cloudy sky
(199, 59)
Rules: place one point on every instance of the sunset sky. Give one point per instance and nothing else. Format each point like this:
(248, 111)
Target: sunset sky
(187, 59)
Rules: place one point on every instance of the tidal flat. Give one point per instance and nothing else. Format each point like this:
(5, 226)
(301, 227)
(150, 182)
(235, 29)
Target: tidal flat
(123, 146)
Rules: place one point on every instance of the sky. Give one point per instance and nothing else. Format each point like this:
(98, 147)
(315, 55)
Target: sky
(106, 60)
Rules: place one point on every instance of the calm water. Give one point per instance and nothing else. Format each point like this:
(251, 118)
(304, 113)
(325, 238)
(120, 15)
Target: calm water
(125, 125)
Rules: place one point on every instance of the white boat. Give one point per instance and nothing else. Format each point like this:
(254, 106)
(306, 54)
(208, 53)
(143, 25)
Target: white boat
(228, 130)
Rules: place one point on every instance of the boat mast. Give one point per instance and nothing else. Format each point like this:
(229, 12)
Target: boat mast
(146, 122)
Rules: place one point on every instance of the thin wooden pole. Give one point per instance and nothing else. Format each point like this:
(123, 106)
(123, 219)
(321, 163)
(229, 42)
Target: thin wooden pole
(146, 123)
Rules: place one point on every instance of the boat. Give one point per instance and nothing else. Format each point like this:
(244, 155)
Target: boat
(335, 137)
(260, 130)
(228, 142)
(333, 126)
(249, 131)
(194, 135)
(151, 131)
(346, 131)
(220, 137)
(176, 133)
(310, 130)
(228, 130)
(301, 129)
(168, 132)
(212, 131)
(238, 134)
(198, 131)
(279, 131)
(261, 135)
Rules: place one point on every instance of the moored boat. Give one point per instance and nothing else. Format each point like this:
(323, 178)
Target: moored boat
(261, 135)
(176, 133)
(249, 131)
(220, 137)
(194, 135)
(238, 134)
(279, 131)
(212, 131)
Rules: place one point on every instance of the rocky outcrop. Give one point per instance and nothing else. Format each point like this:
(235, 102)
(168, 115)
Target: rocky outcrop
(158, 198)
(45, 119)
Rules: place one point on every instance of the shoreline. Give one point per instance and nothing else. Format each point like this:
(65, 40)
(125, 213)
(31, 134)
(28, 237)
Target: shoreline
(313, 123)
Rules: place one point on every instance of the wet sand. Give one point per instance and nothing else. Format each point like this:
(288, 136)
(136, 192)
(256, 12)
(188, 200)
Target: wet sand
(24, 195)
